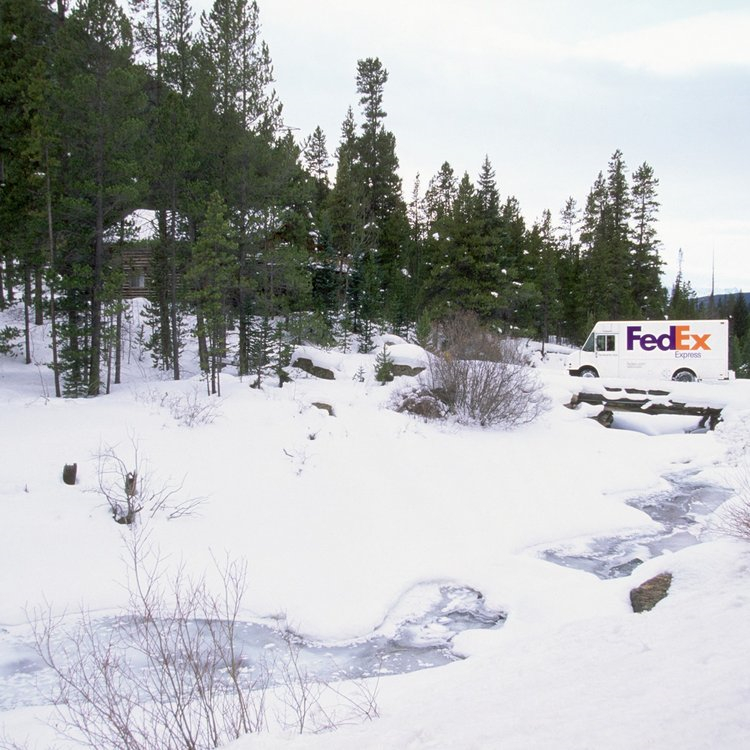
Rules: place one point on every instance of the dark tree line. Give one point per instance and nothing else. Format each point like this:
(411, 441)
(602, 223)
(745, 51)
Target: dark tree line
(105, 112)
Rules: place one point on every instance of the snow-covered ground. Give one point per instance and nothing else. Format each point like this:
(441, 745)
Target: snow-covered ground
(339, 517)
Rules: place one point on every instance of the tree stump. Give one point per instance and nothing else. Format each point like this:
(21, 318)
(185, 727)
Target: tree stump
(69, 473)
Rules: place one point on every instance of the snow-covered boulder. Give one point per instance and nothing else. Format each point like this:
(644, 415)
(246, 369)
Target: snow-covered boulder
(407, 359)
(316, 362)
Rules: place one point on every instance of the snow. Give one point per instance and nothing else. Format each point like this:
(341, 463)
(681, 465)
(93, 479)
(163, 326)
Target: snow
(338, 517)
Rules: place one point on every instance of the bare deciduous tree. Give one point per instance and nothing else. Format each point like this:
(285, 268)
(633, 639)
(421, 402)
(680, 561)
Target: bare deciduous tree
(129, 488)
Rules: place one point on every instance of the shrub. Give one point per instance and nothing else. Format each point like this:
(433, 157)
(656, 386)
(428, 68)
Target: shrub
(8, 345)
(421, 402)
(487, 392)
(384, 366)
(733, 518)
(483, 378)
(128, 489)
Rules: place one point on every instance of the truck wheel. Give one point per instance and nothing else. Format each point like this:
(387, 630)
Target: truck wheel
(685, 376)
(588, 372)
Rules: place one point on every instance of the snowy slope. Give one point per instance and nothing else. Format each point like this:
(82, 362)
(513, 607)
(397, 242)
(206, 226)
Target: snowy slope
(338, 516)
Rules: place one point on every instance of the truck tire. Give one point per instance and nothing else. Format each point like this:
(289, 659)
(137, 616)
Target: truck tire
(685, 376)
(588, 372)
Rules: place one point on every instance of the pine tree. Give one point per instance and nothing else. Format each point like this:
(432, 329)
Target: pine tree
(466, 275)
(238, 145)
(345, 212)
(318, 162)
(488, 195)
(101, 105)
(164, 33)
(646, 286)
(682, 301)
(440, 194)
(571, 279)
(384, 366)
(377, 171)
(209, 277)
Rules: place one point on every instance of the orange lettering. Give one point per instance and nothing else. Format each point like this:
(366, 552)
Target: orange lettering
(700, 342)
(681, 337)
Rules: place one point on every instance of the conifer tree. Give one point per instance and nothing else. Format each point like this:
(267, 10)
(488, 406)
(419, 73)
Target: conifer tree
(237, 147)
(647, 289)
(571, 279)
(383, 205)
(209, 278)
(165, 37)
(682, 300)
(466, 274)
(351, 236)
(440, 194)
(101, 108)
(318, 162)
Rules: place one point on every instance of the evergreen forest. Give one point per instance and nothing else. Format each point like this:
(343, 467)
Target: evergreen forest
(273, 237)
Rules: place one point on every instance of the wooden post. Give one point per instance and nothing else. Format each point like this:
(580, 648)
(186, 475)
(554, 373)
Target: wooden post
(69, 473)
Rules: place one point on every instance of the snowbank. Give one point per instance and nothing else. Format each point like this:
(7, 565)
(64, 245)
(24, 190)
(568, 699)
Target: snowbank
(338, 516)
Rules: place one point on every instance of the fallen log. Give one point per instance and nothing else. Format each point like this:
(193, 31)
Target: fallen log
(709, 415)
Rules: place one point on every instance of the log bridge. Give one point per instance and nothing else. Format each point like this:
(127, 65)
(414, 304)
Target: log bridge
(643, 402)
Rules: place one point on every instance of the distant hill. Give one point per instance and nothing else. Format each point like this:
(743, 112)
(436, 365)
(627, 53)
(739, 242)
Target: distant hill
(719, 298)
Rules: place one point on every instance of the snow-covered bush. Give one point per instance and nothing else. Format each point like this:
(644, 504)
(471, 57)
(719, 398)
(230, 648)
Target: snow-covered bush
(188, 409)
(482, 377)
(733, 518)
(487, 392)
(421, 402)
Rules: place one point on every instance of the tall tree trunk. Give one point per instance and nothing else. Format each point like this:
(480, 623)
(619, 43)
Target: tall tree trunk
(98, 284)
(9, 295)
(26, 312)
(95, 344)
(51, 241)
(38, 296)
(118, 345)
(164, 333)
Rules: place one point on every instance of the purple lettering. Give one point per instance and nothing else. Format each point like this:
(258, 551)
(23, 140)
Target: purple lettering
(665, 342)
(633, 336)
(648, 342)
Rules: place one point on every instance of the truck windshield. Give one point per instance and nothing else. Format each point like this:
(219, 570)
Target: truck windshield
(589, 345)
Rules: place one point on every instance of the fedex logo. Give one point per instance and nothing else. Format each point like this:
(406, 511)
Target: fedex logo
(679, 338)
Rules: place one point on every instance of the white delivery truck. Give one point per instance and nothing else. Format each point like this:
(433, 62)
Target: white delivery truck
(685, 350)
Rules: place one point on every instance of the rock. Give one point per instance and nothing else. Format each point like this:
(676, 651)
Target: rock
(625, 569)
(324, 407)
(650, 593)
(423, 404)
(406, 370)
(319, 372)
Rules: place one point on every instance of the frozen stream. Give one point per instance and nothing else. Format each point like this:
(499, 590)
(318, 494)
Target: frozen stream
(418, 632)
(416, 635)
(680, 510)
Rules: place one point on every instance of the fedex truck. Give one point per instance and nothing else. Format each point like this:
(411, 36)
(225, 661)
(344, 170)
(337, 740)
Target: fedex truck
(685, 350)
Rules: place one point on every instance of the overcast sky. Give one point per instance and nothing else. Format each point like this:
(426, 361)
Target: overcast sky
(548, 89)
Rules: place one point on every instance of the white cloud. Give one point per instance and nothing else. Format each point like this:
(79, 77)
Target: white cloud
(678, 47)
